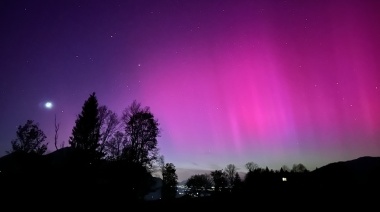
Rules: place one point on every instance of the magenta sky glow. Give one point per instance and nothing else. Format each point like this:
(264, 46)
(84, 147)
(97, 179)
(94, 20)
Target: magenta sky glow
(273, 82)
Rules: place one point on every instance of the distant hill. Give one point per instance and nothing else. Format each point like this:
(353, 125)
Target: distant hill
(361, 166)
(60, 155)
(361, 174)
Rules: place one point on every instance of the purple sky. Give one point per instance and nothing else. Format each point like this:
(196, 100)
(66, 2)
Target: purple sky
(273, 82)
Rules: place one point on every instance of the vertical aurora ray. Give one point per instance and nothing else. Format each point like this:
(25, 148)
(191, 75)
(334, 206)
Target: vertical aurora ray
(260, 88)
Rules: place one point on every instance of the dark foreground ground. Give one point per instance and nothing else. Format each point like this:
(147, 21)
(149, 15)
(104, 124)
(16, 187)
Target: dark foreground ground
(295, 200)
(302, 201)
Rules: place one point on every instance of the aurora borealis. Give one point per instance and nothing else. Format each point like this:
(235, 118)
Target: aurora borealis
(274, 82)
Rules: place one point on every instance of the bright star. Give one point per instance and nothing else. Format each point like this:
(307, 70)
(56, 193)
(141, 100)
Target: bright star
(48, 105)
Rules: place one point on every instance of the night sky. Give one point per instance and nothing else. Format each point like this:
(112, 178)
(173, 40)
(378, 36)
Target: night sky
(273, 82)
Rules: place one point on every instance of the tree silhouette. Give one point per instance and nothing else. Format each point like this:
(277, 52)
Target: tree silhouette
(285, 168)
(220, 180)
(159, 167)
(30, 139)
(141, 131)
(299, 168)
(86, 132)
(251, 166)
(114, 146)
(237, 183)
(169, 182)
(230, 171)
(161, 163)
(109, 126)
(199, 184)
(56, 129)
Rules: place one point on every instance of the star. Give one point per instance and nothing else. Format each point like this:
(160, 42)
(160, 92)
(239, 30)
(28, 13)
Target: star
(48, 105)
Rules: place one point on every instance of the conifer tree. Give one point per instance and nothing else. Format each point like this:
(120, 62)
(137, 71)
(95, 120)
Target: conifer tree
(169, 182)
(86, 132)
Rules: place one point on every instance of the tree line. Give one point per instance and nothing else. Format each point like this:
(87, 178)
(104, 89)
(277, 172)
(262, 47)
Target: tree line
(104, 144)
(122, 152)
(228, 180)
